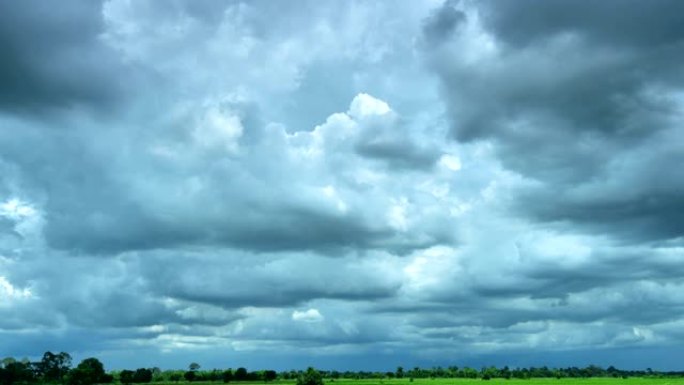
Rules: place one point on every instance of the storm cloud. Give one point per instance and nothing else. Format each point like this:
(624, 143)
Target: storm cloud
(362, 185)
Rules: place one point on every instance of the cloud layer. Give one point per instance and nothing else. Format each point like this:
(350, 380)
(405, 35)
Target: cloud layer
(412, 182)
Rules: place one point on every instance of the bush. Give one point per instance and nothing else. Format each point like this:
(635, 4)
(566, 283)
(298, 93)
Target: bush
(142, 375)
(190, 376)
(126, 377)
(89, 371)
(310, 377)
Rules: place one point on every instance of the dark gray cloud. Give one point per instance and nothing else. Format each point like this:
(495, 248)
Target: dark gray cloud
(443, 23)
(397, 154)
(581, 99)
(53, 58)
(241, 279)
(630, 23)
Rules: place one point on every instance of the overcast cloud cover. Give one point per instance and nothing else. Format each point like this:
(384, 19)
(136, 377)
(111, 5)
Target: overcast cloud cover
(347, 184)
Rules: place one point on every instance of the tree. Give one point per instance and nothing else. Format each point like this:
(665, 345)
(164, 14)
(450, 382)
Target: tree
(53, 367)
(506, 373)
(16, 372)
(227, 376)
(489, 373)
(157, 374)
(240, 374)
(310, 377)
(142, 375)
(194, 366)
(6, 361)
(214, 375)
(190, 375)
(126, 377)
(89, 371)
(400, 372)
(270, 375)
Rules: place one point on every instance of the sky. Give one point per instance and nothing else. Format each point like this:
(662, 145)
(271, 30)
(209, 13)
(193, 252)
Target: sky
(343, 184)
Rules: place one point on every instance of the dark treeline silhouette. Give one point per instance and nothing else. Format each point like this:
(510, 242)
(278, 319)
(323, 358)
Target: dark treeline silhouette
(490, 372)
(53, 368)
(57, 369)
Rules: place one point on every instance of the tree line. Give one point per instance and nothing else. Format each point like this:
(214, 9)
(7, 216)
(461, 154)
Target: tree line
(56, 368)
(53, 368)
(490, 372)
